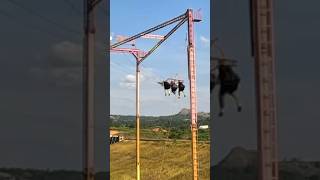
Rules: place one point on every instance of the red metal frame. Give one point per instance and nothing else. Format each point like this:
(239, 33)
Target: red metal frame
(263, 50)
(193, 94)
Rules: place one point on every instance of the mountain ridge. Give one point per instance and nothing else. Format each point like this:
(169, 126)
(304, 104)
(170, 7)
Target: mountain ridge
(240, 164)
(183, 111)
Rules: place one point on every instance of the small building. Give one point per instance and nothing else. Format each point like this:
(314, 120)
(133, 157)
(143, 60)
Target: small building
(159, 129)
(204, 127)
(115, 137)
(156, 129)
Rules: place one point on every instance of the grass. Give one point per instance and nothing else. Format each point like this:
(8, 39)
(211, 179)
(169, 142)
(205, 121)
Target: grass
(159, 160)
(203, 135)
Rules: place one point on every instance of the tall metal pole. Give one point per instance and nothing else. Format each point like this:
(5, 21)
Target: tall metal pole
(88, 89)
(193, 95)
(263, 41)
(138, 117)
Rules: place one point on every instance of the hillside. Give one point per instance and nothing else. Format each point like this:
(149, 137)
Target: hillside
(180, 120)
(241, 164)
(175, 126)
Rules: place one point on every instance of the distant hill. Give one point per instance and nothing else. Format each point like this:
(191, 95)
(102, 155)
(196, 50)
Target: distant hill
(180, 120)
(241, 164)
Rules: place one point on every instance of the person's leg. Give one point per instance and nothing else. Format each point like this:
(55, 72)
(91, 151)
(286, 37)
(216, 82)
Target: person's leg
(174, 91)
(239, 107)
(221, 102)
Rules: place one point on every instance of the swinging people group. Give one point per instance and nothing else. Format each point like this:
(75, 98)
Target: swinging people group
(229, 82)
(171, 86)
(227, 79)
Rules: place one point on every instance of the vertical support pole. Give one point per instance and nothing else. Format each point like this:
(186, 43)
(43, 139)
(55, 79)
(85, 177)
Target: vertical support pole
(262, 11)
(193, 95)
(138, 117)
(88, 91)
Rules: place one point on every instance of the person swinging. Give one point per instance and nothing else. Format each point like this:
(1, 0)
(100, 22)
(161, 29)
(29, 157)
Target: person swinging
(229, 82)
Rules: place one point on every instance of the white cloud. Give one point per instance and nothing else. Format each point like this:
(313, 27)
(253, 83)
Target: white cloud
(147, 76)
(130, 78)
(67, 74)
(129, 81)
(62, 65)
(68, 51)
(111, 36)
(66, 61)
(205, 41)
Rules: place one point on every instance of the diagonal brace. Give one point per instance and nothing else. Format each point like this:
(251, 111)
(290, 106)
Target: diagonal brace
(165, 38)
(176, 19)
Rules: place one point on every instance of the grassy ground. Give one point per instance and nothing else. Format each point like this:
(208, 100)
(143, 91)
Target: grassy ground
(159, 160)
(149, 134)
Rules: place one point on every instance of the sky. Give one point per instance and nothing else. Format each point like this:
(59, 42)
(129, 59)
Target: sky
(168, 61)
(41, 84)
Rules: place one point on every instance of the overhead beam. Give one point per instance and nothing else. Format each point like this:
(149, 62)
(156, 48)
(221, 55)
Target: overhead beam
(162, 40)
(176, 19)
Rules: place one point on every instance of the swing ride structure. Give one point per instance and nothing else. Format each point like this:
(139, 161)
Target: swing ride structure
(190, 17)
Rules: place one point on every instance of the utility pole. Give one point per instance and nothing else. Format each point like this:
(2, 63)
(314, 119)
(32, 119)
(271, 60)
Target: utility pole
(88, 88)
(263, 52)
(138, 54)
(138, 117)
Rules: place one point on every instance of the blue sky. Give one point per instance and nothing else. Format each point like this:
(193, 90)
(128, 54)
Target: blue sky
(169, 60)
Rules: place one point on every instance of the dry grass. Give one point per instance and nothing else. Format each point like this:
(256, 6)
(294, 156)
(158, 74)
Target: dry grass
(159, 160)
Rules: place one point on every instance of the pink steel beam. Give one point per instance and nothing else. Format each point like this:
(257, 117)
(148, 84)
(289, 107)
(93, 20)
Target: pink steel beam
(88, 89)
(176, 19)
(137, 53)
(120, 38)
(262, 13)
(126, 50)
(153, 36)
(193, 94)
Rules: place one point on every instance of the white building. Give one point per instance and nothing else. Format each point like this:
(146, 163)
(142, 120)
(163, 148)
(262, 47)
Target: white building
(204, 127)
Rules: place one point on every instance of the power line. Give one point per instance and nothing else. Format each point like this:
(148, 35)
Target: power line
(130, 62)
(119, 67)
(30, 11)
(30, 26)
(103, 10)
(73, 7)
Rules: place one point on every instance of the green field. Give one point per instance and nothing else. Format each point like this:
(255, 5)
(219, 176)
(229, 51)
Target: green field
(160, 160)
(203, 135)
